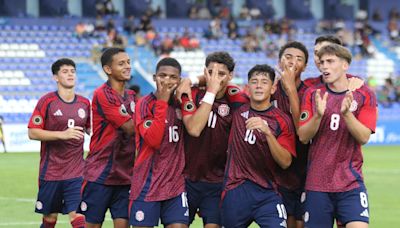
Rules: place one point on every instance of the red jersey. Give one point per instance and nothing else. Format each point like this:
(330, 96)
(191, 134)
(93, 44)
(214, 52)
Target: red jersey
(112, 151)
(158, 171)
(335, 157)
(60, 159)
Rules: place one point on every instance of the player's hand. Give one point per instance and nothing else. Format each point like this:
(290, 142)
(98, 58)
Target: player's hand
(164, 89)
(288, 77)
(346, 103)
(214, 80)
(355, 83)
(184, 87)
(73, 133)
(320, 102)
(258, 124)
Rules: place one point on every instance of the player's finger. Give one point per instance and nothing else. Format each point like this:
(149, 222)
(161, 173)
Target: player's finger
(79, 128)
(317, 95)
(325, 96)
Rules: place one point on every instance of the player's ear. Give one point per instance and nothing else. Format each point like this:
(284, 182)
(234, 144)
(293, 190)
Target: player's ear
(346, 65)
(230, 75)
(274, 87)
(154, 77)
(55, 77)
(107, 69)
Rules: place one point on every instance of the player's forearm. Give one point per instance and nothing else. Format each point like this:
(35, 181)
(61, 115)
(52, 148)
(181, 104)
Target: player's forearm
(360, 132)
(281, 156)
(195, 123)
(294, 107)
(308, 130)
(44, 135)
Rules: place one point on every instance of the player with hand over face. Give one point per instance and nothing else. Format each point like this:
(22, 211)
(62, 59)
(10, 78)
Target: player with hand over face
(338, 122)
(60, 121)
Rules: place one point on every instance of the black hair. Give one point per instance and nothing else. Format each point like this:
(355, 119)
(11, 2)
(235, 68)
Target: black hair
(221, 57)
(297, 45)
(107, 55)
(328, 38)
(263, 68)
(55, 67)
(168, 61)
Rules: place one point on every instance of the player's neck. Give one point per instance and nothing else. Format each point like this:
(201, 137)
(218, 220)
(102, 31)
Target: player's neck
(339, 85)
(260, 106)
(118, 86)
(68, 95)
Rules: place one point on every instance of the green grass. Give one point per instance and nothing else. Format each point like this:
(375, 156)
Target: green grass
(18, 188)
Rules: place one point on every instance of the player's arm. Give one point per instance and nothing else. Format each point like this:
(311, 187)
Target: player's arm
(128, 127)
(185, 85)
(309, 121)
(196, 121)
(282, 148)
(45, 135)
(359, 130)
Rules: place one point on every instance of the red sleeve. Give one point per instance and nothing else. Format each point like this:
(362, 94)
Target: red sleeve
(188, 107)
(306, 107)
(39, 114)
(88, 111)
(236, 96)
(368, 111)
(287, 137)
(112, 109)
(151, 124)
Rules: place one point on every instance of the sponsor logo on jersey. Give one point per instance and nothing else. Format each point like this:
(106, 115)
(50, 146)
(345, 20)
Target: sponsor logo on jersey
(122, 110)
(223, 110)
(147, 123)
(81, 113)
(39, 205)
(353, 106)
(178, 114)
(37, 120)
(58, 113)
(132, 106)
(304, 116)
(139, 216)
(189, 106)
(245, 114)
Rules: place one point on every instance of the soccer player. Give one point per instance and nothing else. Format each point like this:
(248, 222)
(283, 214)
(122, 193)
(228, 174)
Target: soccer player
(2, 134)
(108, 166)
(338, 122)
(158, 183)
(59, 121)
(206, 119)
(293, 58)
(261, 138)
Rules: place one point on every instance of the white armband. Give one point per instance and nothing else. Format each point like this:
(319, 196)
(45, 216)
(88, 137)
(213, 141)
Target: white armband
(209, 98)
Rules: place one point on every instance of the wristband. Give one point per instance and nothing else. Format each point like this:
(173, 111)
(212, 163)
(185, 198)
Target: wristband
(209, 98)
(194, 80)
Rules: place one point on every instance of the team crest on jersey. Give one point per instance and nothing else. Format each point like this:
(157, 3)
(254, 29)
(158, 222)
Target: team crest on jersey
(122, 110)
(132, 106)
(178, 114)
(37, 120)
(147, 123)
(223, 110)
(353, 106)
(39, 205)
(233, 91)
(83, 206)
(189, 106)
(304, 116)
(139, 216)
(81, 113)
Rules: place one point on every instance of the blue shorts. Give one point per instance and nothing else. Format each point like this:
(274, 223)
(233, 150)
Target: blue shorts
(97, 198)
(250, 202)
(206, 198)
(323, 207)
(293, 201)
(59, 196)
(146, 213)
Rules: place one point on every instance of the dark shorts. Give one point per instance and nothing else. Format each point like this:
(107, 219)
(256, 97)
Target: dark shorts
(322, 207)
(146, 213)
(205, 198)
(59, 196)
(293, 201)
(249, 203)
(97, 198)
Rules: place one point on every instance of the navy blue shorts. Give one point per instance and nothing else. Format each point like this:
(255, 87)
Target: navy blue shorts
(146, 213)
(323, 207)
(59, 196)
(205, 198)
(97, 198)
(249, 203)
(293, 201)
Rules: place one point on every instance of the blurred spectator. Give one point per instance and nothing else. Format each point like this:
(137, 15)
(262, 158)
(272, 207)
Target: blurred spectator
(84, 30)
(203, 13)
(215, 28)
(232, 28)
(105, 7)
(145, 23)
(394, 14)
(114, 39)
(193, 12)
(110, 24)
(250, 43)
(376, 15)
(244, 12)
(393, 29)
(129, 25)
(99, 23)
